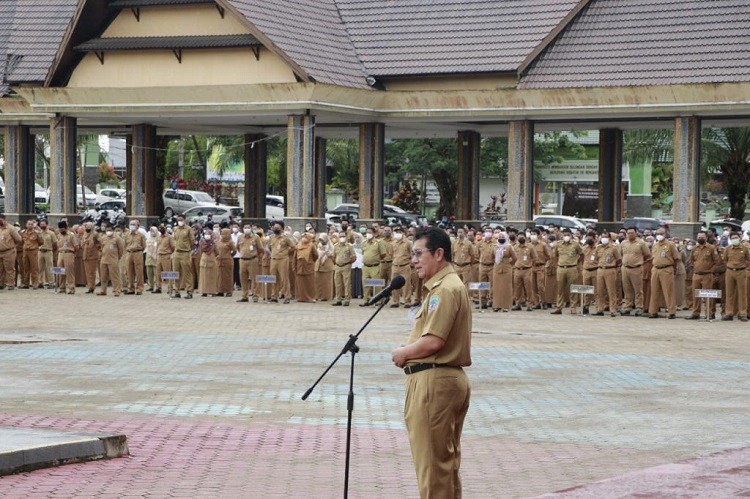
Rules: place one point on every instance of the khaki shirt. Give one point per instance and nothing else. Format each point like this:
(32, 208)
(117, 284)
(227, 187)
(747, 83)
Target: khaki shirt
(165, 245)
(401, 252)
(372, 252)
(281, 246)
(67, 243)
(737, 257)
(388, 247)
(463, 252)
(542, 252)
(32, 239)
(343, 254)
(704, 258)
(8, 237)
(249, 246)
(665, 254)
(134, 242)
(634, 253)
(445, 313)
(486, 252)
(91, 244)
(608, 256)
(113, 248)
(590, 258)
(568, 253)
(183, 239)
(525, 256)
(48, 240)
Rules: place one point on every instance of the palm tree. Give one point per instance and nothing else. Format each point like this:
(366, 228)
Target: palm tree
(728, 149)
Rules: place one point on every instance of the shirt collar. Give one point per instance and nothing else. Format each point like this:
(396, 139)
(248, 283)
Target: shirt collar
(438, 278)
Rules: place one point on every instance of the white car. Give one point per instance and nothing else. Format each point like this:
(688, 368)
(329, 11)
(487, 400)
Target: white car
(108, 194)
(40, 195)
(274, 207)
(219, 213)
(561, 221)
(176, 202)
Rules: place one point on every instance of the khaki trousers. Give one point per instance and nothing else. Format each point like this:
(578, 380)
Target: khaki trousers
(736, 299)
(369, 273)
(485, 275)
(405, 272)
(522, 279)
(280, 268)
(606, 289)
(662, 284)
(30, 260)
(90, 267)
(464, 272)
(566, 277)
(45, 267)
(342, 281)
(434, 411)
(134, 262)
(704, 281)
(632, 286)
(163, 264)
(538, 285)
(386, 270)
(589, 279)
(109, 271)
(183, 263)
(8, 260)
(248, 271)
(67, 260)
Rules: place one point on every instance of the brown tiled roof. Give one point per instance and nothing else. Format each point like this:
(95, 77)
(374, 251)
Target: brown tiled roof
(311, 33)
(414, 37)
(168, 42)
(647, 42)
(6, 28)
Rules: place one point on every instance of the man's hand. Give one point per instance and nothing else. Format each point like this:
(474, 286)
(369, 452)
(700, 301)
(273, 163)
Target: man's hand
(398, 356)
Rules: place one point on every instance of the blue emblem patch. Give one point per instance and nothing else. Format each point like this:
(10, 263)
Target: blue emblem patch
(433, 304)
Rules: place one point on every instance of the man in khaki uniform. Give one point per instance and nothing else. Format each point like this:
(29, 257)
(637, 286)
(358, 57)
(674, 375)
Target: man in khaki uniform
(386, 265)
(590, 266)
(164, 253)
(737, 259)
(485, 251)
(704, 259)
(92, 246)
(635, 253)
(568, 254)
(373, 252)
(113, 248)
(662, 275)
(135, 243)
(281, 248)
(250, 249)
(30, 257)
(608, 256)
(539, 272)
(47, 247)
(437, 388)
(522, 273)
(463, 256)
(9, 238)
(67, 244)
(401, 266)
(183, 236)
(343, 257)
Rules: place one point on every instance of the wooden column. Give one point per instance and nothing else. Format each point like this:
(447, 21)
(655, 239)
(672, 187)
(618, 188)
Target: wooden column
(520, 173)
(686, 177)
(19, 171)
(63, 157)
(142, 172)
(610, 178)
(300, 167)
(256, 173)
(467, 204)
(371, 168)
(319, 197)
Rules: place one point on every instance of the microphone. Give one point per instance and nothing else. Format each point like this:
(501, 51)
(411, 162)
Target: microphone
(397, 283)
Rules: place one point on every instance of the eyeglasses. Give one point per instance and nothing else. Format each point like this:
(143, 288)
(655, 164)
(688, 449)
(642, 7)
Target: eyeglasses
(418, 253)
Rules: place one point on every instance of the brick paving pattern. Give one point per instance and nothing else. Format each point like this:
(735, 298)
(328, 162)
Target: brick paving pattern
(208, 393)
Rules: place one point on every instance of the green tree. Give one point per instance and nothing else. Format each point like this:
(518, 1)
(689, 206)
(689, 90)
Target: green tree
(343, 155)
(276, 152)
(728, 149)
(645, 152)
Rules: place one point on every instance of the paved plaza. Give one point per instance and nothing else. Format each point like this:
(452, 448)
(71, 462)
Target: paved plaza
(208, 392)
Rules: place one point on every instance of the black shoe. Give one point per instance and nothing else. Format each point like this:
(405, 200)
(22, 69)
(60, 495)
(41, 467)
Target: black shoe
(395, 305)
(495, 309)
(693, 318)
(138, 293)
(346, 304)
(585, 310)
(128, 292)
(243, 300)
(672, 316)
(286, 301)
(255, 299)
(625, 312)
(364, 304)
(188, 296)
(529, 309)
(653, 316)
(538, 307)
(157, 291)
(90, 291)
(556, 311)
(743, 319)
(177, 295)
(516, 308)
(598, 313)
(712, 316)
(727, 318)
(336, 304)
(273, 300)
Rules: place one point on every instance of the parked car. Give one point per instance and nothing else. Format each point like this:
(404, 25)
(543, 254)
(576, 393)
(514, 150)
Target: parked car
(391, 214)
(109, 194)
(275, 208)
(641, 223)
(85, 197)
(40, 195)
(219, 213)
(176, 202)
(562, 221)
(733, 224)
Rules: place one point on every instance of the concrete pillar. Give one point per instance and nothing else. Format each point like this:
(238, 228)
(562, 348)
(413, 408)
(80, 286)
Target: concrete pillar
(319, 196)
(520, 173)
(467, 204)
(371, 168)
(610, 179)
(19, 171)
(63, 158)
(256, 173)
(686, 177)
(142, 173)
(300, 163)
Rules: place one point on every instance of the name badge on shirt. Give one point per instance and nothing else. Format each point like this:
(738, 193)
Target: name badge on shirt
(593, 257)
(111, 246)
(525, 258)
(663, 254)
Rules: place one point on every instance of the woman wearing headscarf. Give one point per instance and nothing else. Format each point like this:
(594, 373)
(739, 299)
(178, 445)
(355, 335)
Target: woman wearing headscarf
(502, 274)
(324, 268)
(225, 252)
(209, 266)
(306, 256)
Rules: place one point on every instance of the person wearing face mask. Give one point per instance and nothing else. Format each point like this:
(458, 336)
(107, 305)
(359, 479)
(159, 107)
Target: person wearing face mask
(635, 253)
(401, 267)
(306, 257)
(590, 267)
(236, 234)
(737, 260)
(539, 271)
(208, 275)
(704, 259)
(113, 248)
(502, 274)
(324, 269)
(386, 265)
(608, 257)
(281, 247)
(522, 279)
(135, 243)
(92, 246)
(183, 236)
(164, 252)
(464, 256)
(47, 248)
(9, 239)
(662, 275)
(250, 252)
(373, 252)
(568, 253)
(720, 272)
(225, 250)
(67, 246)
(79, 231)
(152, 239)
(30, 255)
(550, 278)
(485, 252)
(344, 256)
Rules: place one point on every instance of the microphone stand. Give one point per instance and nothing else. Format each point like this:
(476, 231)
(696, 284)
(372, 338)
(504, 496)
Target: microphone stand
(350, 346)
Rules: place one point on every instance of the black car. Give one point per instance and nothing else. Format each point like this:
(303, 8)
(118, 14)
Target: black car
(642, 223)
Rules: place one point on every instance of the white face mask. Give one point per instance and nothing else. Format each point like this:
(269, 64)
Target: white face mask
(342, 238)
(235, 230)
(690, 247)
(247, 232)
(735, 242)
(207, 237)
(109, 233)
(604, 240)
(659, 237)
(368, 236)
(566, 239)
(398, 236)
(180, 223)
(133, 228)
(725, 233)
(534, 238)
(487, 235)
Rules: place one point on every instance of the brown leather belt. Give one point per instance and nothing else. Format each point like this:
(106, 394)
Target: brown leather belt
(633, 266)
(603, 268)
(664, 266)
(415, 368)
(567, 266)
(737, 269)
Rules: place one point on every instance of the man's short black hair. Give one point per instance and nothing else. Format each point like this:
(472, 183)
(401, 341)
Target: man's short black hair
(280, 222)
(436, 238)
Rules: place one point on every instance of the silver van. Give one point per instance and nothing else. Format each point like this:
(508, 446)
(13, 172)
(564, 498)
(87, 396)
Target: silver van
(176, 202)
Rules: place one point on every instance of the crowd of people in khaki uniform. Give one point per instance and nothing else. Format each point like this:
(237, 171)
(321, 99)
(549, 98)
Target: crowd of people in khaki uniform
(631, 272)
